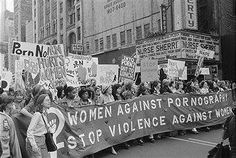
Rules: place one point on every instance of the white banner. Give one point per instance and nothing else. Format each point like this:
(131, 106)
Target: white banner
(175, 68)
(205, 52)
(107, 74)
(184, 75)
(149, 70)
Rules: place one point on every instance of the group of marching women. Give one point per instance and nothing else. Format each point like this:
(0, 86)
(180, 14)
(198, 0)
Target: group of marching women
(34, 103)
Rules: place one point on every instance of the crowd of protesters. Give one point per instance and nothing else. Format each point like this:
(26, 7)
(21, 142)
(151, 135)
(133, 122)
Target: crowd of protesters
(35, 102)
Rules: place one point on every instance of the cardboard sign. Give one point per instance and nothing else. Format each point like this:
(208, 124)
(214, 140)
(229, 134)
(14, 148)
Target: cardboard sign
(205, 52)
(80, 68)
(204, 71)
(184, 75)
(5, 79)
(149, 70)
(107, 74)
(127, 68)
(199, 65)
(19, 83)
(175, 68)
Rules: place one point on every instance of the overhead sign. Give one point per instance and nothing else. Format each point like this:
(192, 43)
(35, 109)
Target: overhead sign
(77, 47)
(190, 11)
(179, 44)
(149, 70)
(205, 52)
(175, 68)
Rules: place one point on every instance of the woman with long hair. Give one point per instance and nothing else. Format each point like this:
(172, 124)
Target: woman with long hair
(35, 141)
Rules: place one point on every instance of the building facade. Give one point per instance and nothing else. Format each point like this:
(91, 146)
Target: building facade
(29, 35)
(22, 13)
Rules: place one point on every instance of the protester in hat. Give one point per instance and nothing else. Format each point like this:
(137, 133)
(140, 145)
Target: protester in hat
(11, 92)
(35, 142)
(8, 140)
(84, 98)
(229, 132)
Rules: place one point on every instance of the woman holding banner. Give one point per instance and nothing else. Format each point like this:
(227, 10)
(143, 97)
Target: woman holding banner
(35, 141)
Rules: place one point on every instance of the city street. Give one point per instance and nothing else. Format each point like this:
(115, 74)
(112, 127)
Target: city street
(187, 146)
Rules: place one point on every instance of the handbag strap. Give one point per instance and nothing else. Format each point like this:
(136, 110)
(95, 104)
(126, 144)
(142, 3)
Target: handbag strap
(45, 123)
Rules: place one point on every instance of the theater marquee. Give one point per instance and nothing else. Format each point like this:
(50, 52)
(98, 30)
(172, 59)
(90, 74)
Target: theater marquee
(176, 45)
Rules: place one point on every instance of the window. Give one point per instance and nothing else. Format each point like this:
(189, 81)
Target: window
(78, 33)
(34, 2)
(122, 38)
(114, 41)
(72, 18)
(234, 7)
(61, 7)
(61, 39)
(108, 42)
(159, 24)
(87, 47)
(146, 30)
(54, 27)
(61, 23)
(78, 14)
(34, 12)
(101, 44)
(96, 45)
(138, 32)
(35, 38)
(35, 25)
(129, 36)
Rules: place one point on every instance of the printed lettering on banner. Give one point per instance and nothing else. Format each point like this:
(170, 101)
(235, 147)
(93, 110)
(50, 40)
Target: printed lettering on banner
(127, 68)
(149, 70)
(107, 74)
(5, 79)
(176, 68)
(90, 129)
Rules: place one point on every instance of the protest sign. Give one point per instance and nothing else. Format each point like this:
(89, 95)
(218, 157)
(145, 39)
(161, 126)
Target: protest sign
(204, 71)
(175, 68)
(199, 65)
(205, 52)
(127, 68)
(49, 58)
(149, 70)
(184, 75)
(107, 74)
(5, 79)
(19, 67)
(80, 68)
(83, 131)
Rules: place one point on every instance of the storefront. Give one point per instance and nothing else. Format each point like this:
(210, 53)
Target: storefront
(182, 45)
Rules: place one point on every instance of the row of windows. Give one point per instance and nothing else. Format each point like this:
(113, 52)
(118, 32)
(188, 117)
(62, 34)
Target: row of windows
(125, 38)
